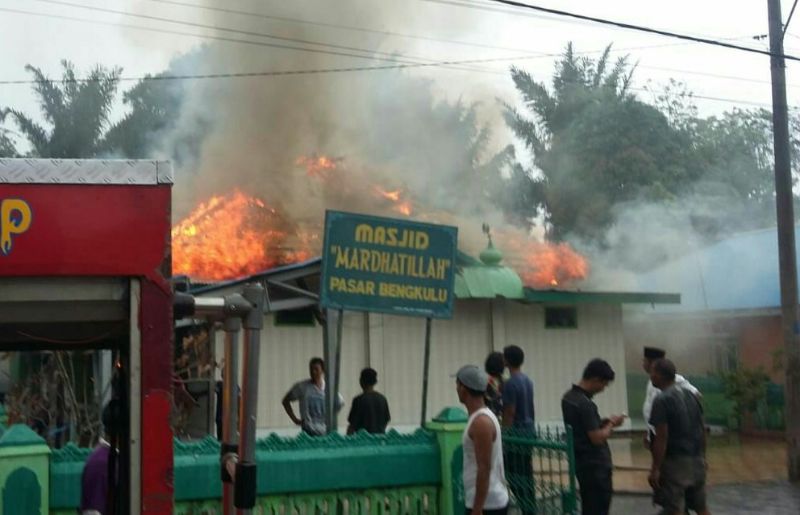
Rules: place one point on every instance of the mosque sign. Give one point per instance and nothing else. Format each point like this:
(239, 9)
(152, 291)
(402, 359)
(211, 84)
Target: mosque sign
(388, 265)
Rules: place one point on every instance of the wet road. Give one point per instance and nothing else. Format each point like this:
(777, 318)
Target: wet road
(772, 498)
(731, 459)
(745, 476)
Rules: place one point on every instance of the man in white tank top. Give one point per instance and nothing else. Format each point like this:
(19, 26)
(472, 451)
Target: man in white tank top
(485, 490)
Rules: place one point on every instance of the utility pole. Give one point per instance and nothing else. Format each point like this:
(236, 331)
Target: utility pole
(786, 241)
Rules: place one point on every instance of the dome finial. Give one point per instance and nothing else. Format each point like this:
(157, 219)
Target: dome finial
(488, 232)
(490, 255)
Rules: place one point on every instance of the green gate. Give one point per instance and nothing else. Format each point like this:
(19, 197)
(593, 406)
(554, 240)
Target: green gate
(540, 472)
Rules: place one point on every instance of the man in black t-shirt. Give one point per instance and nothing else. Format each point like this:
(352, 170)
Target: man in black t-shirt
(678, 473)
(369, 411)
(590, 435)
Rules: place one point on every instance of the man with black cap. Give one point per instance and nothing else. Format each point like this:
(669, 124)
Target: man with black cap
(483, 474)
(651, 355)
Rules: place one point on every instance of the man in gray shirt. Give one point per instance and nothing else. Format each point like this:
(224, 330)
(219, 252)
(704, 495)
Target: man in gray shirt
(310, 394)
(678, 473)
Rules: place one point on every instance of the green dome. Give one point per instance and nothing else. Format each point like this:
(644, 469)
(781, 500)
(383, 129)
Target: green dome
(491, 256)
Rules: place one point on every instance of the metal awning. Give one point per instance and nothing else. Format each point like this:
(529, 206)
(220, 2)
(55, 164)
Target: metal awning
(288, 287)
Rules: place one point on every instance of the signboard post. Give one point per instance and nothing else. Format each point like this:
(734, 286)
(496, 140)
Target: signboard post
(387, 265)
(400, 267)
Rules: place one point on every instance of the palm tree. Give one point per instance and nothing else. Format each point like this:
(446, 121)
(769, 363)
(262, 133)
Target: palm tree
(76, 111)
(7, 148)
(577, 83)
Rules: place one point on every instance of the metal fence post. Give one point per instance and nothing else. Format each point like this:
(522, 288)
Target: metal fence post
(245, 488)
(230, 410)
(570, 501)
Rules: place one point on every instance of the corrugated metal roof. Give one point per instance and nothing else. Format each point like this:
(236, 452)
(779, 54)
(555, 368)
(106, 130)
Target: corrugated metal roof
(474, 280)
(738, 273)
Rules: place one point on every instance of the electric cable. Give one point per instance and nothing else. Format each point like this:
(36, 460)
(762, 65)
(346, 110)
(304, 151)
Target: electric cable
(641, 28)
(352, 28)
(789, 19)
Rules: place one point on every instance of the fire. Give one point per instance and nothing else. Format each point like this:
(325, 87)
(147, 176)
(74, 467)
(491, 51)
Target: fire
(543, 265)
(235, 235)
(318, 166)
(396, 197)
(403, 208)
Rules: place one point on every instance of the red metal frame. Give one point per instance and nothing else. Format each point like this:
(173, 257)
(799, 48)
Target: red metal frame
(109, 230)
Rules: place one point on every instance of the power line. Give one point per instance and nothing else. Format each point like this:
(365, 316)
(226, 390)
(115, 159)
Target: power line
(641, 28)
(212, 37)
(482, 6)
(340, 50)
(402, 65)
(286, 47)
(225, 29)
(275, 73)
(789, 19)
(319, 71)
(200, 36)
(337, 26)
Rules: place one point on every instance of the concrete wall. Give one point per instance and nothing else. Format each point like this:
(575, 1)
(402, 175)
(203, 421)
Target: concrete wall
(759, 339)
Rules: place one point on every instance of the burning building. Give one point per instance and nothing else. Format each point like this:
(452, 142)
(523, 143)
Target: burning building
(560, 330)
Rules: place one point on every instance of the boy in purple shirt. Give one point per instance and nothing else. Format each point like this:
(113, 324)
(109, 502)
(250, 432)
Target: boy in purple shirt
(94, 483)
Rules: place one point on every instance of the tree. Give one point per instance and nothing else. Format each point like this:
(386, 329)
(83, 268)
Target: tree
(7, 148)
(747, 389)
(76, 111)
(155, 107)
(594, 145)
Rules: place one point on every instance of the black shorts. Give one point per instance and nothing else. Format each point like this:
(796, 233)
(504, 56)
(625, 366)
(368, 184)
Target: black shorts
(499, 511)
(682, 484)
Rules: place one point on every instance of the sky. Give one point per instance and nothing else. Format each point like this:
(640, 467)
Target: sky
(43, 32)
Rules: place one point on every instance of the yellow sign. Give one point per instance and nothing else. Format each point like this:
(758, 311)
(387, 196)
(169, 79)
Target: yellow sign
(15, 219)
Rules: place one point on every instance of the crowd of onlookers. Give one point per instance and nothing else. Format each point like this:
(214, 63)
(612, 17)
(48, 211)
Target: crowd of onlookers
(676, 436)
(496, 400)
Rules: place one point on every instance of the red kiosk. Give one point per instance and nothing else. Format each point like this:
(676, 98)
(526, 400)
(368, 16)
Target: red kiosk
(85, 263)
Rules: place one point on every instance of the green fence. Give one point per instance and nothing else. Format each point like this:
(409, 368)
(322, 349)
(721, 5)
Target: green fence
(392, 473)
(540, 471)
(397, 474)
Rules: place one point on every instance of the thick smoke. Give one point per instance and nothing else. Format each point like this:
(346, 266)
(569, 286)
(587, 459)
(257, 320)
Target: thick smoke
(388, 129)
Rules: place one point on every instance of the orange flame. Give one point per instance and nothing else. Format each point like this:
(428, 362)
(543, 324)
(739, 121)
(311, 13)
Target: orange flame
(403, 208)
(318, 166)
(389, 195)
(543, 265)
(235, 235)
(396, 197)
(232, 236)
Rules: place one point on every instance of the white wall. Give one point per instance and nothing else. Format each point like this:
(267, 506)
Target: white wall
(394, 347)
(464, 339)
(284, 357)
(555, 358)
